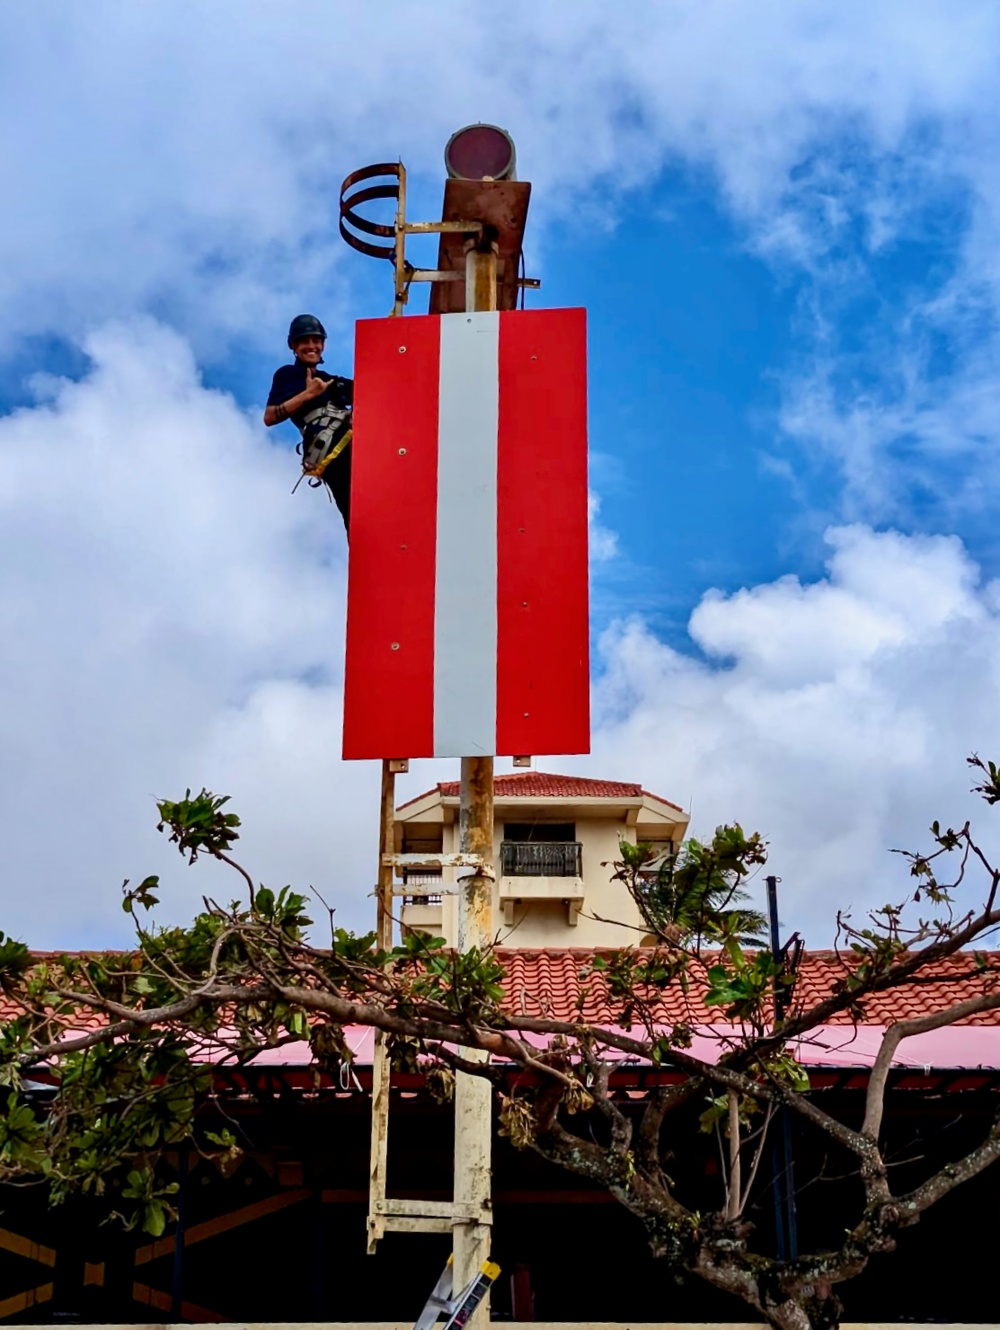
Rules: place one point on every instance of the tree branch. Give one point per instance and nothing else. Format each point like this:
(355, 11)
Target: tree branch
(895, 1034)
(735, 1185)
(663, 1100)
(946, 1179)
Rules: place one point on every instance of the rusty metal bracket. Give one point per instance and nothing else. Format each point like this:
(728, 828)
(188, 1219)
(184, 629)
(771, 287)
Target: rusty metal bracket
(390, 184)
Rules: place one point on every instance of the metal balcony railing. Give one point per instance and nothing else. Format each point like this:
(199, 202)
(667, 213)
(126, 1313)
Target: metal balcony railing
(422, 877)
(541, 858)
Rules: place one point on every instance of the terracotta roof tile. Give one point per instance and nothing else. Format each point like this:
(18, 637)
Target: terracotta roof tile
(548, 982)
(544, 785)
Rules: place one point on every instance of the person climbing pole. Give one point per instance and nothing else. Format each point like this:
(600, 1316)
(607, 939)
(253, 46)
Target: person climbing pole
(320, 405)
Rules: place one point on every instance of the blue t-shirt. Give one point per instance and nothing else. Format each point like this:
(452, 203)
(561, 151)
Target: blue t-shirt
(290, 380)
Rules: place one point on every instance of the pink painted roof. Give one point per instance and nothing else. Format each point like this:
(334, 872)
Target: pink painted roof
(959, 1047)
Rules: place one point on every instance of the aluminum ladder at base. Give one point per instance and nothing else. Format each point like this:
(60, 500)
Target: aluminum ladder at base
(458, 1310)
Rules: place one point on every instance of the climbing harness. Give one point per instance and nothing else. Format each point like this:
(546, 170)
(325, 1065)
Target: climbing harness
(327, 433)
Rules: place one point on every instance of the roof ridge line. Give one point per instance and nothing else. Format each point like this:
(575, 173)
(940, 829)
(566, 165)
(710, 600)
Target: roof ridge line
(580, 787)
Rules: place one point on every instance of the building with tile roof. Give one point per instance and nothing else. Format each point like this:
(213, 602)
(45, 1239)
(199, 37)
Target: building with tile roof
(301, 1183)
(296, 1199)
(554, 837)
(561, 983)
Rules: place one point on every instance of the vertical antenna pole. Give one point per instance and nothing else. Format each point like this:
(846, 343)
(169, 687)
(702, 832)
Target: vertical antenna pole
(781, 1149)
(772, 919)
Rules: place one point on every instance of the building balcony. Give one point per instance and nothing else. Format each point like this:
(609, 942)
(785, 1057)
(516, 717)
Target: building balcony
(420, 914)
(532, 871)
(424, 909)
(561, 858)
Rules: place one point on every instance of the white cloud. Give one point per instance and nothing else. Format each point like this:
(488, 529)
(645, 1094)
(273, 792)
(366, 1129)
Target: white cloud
(603, 541)
(183, 157)
(182, 160)
(911, 440)
(834, 717)
(169, 615)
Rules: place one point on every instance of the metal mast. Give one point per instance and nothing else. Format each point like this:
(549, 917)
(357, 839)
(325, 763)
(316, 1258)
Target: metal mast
(480, 233)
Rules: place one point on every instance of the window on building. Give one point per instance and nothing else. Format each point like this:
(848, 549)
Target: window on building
(540, 831)
(662, 850)
(422, 876)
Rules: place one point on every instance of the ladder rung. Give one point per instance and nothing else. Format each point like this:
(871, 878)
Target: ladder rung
(415, 1224)
(450, 1212)
(422, 889)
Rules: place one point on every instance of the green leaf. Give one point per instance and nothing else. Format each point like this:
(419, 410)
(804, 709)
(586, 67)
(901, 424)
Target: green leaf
(15, 958)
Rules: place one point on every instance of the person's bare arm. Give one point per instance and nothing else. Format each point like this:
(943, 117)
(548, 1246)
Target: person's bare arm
(315, 387)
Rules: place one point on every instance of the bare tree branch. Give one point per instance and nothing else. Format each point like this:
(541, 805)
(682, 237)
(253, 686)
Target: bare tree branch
(901, 1030)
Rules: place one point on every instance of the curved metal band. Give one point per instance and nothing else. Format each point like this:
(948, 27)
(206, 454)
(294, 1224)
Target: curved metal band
(348, 205)
(373, 251)
(369, 173)
(348, 202)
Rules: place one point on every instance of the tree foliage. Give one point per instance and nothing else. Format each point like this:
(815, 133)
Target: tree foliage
(106, 1059)
(697, 894)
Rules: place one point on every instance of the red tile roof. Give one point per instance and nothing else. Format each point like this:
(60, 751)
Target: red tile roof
(543, 785)
(547, 982)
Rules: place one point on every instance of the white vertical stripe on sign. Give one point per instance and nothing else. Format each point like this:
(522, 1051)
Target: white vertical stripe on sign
(465, 604)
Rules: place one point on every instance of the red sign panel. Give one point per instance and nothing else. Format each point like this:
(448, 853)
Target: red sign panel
(467, 615)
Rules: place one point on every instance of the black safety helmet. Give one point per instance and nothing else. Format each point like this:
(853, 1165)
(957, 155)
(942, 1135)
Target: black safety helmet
(304, 325)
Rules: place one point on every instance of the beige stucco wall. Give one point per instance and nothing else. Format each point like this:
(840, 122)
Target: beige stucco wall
(546, 923)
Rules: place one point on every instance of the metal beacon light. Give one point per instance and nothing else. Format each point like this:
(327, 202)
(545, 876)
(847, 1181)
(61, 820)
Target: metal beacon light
(467, 603)
(480, 152)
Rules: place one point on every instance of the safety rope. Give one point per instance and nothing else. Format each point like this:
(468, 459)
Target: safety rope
(331, 456)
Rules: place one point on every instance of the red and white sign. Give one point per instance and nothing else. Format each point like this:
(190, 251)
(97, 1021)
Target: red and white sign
(467, 613)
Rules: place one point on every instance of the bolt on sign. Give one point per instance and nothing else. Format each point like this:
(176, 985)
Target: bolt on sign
(467, 609)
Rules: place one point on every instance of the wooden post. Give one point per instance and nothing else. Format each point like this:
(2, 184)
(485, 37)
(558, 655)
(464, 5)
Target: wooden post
(380, 1056)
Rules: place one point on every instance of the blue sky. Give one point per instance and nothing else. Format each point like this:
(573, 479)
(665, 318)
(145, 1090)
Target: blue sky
(784, 222)
(688, 333)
